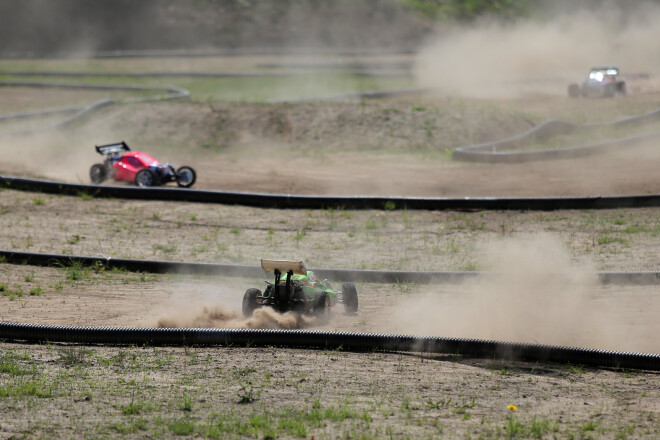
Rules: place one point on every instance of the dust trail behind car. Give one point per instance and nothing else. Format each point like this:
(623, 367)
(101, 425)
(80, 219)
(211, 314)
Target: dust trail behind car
(489, 59)
(537, 292)
(220, 316)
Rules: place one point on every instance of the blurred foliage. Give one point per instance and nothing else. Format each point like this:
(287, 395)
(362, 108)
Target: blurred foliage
(469, 9)
(40, 27)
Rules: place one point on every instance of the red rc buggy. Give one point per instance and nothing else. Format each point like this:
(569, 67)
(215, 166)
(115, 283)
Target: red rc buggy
(125, 165)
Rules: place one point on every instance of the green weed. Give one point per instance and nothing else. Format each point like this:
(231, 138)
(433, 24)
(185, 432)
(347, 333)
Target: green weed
(186, 403)
(608, 240)
(166, 249)
(74, 239)
(247, 394)
(181, 426)
(73, 356)
(9, 365)
(514, 428)
(34, 388)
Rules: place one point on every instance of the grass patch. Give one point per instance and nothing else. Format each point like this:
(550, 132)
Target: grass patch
(34, 388)
(135, 408)
(247, 394)
(166, 249)
(609, 240)
(182, 426)
(73, 356)
(9, 364)
(75, 270)
(12, 295)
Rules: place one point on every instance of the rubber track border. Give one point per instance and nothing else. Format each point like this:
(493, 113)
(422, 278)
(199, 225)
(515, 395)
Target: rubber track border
(361, 342)
(80, 111)
(172, 92)
(239, 270)
(295, 201)
(500, 151)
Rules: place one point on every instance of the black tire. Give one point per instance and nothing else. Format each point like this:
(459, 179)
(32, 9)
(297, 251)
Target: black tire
(98, 173)
(322, 307)
(250, 301)
(186, 177)
(350, 297)
(610, 90)
(621, 88)
(298, 302)
(145, 178)
(574, 91)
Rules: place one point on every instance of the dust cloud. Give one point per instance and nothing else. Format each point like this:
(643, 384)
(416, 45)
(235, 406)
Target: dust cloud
(535, 294)
(491, 59)
(219, 316)
(54, 155)
(217, 305)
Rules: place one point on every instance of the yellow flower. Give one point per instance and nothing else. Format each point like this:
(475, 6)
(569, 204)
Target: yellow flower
(512, 407)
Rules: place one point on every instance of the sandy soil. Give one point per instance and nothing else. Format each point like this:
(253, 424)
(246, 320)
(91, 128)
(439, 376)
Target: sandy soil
(529, 302)
(377, 147)
(422, 395)
(527, 247)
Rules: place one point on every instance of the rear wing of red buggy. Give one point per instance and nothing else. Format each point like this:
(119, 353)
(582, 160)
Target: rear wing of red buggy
(113, 149)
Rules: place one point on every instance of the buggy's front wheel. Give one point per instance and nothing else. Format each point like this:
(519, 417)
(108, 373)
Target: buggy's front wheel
(349, 297)
(185, 177)
(250, 301)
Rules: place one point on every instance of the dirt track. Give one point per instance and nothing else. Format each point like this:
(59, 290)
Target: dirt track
(402, 396)
(384, 147)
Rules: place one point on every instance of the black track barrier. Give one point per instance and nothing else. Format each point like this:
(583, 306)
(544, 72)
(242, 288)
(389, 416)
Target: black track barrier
(362, 342)
(80, 111)
(504, 151)
(170, 91)
(295, 201)
(247, 271)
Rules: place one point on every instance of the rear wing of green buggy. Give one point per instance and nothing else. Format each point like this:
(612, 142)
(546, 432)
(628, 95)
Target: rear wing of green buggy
(283, 266)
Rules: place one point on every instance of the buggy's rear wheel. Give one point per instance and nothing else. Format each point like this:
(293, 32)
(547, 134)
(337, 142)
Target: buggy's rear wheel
(250, 301)
(322, 307)
(621, 87)
(610, 90)
(185, 177)
(98, 173)
(574, 91)
(350, 297)
(145, 178)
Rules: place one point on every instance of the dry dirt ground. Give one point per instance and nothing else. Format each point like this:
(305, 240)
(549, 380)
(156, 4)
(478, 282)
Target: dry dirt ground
(546, 292)
(97, 392)
(398, 147)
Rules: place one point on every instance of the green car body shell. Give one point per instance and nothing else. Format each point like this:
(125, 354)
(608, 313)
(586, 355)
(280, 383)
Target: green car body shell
(312, 286)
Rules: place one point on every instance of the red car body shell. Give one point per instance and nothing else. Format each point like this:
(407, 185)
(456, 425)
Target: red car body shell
(130, 163)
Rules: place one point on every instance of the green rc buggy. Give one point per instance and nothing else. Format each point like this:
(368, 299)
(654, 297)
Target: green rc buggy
(299, 290)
